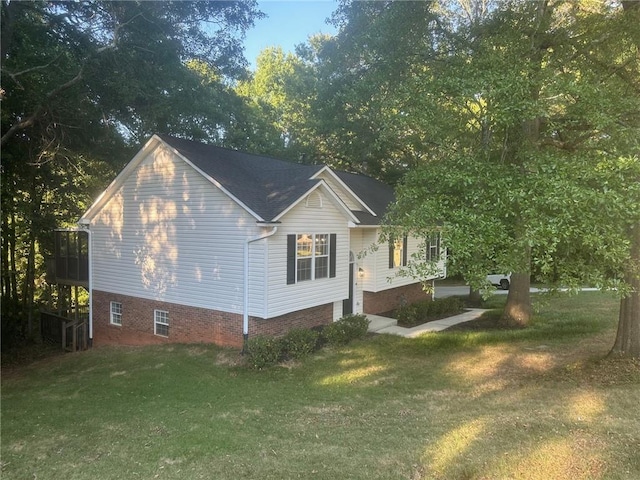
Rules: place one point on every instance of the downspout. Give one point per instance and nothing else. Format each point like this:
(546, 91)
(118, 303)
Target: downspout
(245, 316)
(85, 227)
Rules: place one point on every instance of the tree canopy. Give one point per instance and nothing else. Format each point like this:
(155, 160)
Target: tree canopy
(516, 125)
(83, 83)
(512, 128)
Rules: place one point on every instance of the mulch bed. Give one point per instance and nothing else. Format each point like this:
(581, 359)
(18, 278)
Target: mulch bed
(488, 321)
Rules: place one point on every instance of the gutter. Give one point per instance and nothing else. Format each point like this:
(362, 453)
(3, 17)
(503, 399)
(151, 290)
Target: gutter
(86, 227)
(245, 316)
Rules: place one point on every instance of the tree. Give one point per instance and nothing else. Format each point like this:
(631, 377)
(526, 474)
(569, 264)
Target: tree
(627, 341)
(82, 82)
(278, 95)
(358, 110)
(519, 131)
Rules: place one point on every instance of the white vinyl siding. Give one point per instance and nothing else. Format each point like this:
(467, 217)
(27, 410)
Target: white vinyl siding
(169, 234)
(285, 298)
(377, 274)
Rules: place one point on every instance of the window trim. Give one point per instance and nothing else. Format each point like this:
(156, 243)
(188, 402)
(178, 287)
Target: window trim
(160, 313)
(313, 257)
(112, 313)
(293, 257)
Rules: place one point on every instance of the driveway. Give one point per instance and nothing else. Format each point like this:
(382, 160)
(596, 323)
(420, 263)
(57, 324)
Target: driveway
(451, 290)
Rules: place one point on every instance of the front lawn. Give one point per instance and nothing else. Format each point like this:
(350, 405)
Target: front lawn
(537, 403)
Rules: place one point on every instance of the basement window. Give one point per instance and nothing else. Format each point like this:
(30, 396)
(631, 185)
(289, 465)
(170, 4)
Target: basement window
(161, 323)
(115, 313)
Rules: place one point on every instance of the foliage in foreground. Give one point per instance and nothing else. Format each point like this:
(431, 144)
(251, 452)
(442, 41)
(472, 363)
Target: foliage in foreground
(264, 351)
(345, 330)
(427, 310)
(535, 403)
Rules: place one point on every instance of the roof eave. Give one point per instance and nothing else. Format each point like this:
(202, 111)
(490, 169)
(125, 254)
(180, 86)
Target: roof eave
(345, 186)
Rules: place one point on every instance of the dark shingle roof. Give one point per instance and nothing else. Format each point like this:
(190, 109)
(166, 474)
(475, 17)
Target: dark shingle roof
(268, 186)
(264, 184)
(377, 195)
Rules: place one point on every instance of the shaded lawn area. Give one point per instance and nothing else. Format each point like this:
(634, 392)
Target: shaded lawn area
(537, 403)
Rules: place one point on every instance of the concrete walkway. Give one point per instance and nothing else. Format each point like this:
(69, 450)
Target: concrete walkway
(378, 324)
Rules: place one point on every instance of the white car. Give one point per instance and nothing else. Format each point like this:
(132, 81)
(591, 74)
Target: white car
(500, 280)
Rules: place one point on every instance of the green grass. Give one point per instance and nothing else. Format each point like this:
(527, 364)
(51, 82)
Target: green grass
(537, 403)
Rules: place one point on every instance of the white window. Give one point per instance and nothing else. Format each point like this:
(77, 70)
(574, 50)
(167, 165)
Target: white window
(312, 256)
(321, 252)
(161, 323)
(398, 252)
(433, 248)
(304, 257)
(115, 316)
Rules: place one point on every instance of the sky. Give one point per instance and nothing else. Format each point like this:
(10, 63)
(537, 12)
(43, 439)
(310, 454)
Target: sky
(288, 23)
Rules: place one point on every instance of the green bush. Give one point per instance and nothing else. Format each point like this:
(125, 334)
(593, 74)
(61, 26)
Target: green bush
(348, 328)
(406, 315)
(263, 351)
(299, 342)
(427, 310)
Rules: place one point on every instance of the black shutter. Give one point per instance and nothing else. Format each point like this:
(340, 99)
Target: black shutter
(291, 259)
(332, 255)
(404, 251)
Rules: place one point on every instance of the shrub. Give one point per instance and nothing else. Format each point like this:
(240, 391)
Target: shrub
(424, 311)
(345, 330)
(299, 342)
(406, 315)
(263, 351)
(357, 325)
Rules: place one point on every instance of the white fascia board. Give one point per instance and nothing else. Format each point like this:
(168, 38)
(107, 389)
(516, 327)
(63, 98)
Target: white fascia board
(321, 184)
(119, 180)
(344, 185)
(361, 226)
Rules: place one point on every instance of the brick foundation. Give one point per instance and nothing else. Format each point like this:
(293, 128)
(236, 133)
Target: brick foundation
(190, 324)
(387, 300)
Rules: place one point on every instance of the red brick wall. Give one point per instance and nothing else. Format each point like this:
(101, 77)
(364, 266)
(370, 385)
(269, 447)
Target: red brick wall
(387, 300)
(190, 324)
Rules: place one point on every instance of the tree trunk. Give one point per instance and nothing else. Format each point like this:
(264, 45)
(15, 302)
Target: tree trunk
(29, 280)
(517, 311)
(475, 297)
(6, 277)
(627, 342)
(13, 278)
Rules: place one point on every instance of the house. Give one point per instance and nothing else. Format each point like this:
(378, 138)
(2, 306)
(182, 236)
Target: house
(196, 243)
